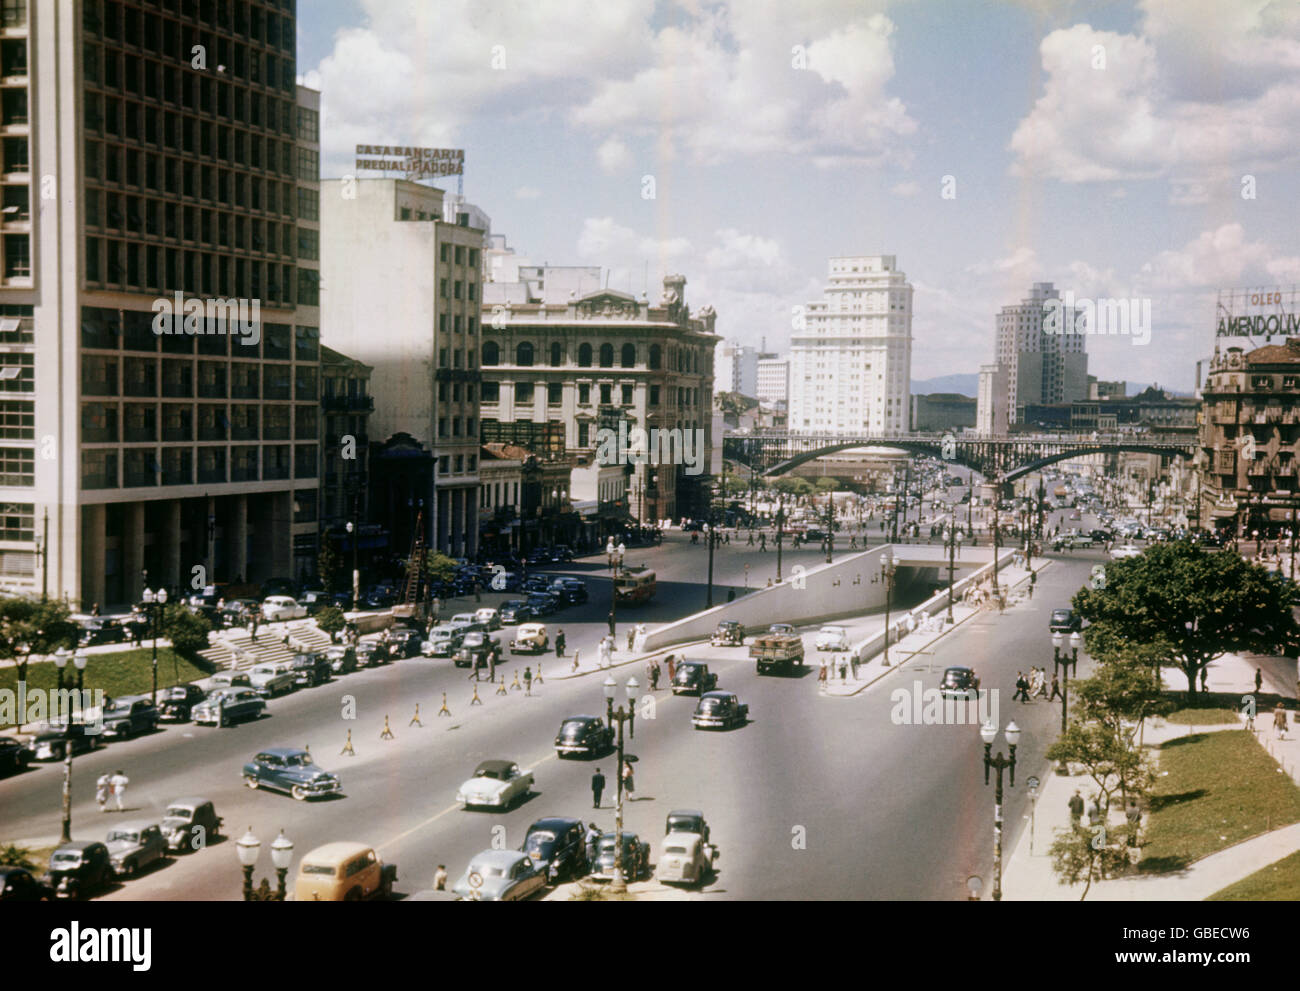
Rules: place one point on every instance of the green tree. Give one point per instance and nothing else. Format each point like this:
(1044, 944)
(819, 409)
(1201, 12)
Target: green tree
(331, 620)
(1110, 758)
(792, 485)
(42, 626)
(327, 565)
(1192, 604)
(825, 484)
(1120, 693)
(1083, 854)
(13, 855)
(188, 631)
(439, 567)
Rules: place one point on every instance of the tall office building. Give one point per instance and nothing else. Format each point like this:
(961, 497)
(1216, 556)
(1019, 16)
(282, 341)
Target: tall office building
(1040, 366)
(851, 363)
(737, 369)
(160, 147)
(773, 377)
(404, 295)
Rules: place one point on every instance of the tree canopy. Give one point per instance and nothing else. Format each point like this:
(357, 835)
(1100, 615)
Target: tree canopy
(1186, 606)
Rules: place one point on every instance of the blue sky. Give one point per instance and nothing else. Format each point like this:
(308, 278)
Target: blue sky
(1101, 146)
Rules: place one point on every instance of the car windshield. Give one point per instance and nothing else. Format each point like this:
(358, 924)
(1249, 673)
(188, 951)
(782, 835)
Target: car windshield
(573, 728)
(675, 849)
(487, 870)
(688, 672)
(118, 707)
(499, 774)
(708, 705)
(69, 859)
(298, 760)
(179, 812)
(537, 841)
(124, 835)
(326, 869)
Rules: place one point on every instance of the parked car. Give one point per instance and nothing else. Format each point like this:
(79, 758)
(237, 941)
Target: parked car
(501, 876)
(225, 706)
(52, 740)
(496, 784)
(399, 643)
(344, 872)
(693, 678)
(489, 618)
(636, 856)
(587, 735)
(238, 611)
(277, 608)
(133, 846)
(14, 757)
(531, 638)
(315, 599)
(441, 642)
(380, 597)
(311, 668)
(468, 620)
(959, 682)
(189, 823)
(719, 709)
(272, 678)
(17, 884)
(476, 648)
(543, 603)
(128, 716)
(684, 858)
(369, 654)
(342, 659)
(79, 869)
(1064, 621)
(1125, 551)
(290, 770)
(785, 629)
(229, 679)
(515, 611)
(558, 847)
(176, 703)
(686, 821)
(572, 591)
(729, 633)
(99, 631)
(832, 638)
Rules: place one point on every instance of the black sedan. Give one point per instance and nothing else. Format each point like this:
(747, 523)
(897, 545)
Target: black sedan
(959, 682)
(13, 756)
(693, 677)
(175, 703)
(99, 631)
(586, 735)
(544, 603)
(51, 743)
(79, 869)
(515, 611)
(17, 884)
(401, 643)
(1064, 621)
(557, 846)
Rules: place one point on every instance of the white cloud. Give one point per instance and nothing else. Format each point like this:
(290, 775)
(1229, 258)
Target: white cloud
(613, 155)
(527, 193)
(1221, 257)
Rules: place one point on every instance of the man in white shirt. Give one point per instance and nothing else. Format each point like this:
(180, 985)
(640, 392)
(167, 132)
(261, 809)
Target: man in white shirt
(119, 781)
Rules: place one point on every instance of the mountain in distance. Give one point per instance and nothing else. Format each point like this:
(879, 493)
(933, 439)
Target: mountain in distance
(966, 384)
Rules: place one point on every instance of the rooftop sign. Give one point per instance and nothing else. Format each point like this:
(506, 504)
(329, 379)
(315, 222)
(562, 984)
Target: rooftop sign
(416, 163)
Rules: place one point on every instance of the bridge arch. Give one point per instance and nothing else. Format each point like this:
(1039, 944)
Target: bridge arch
(1031, 466)
(934, 450)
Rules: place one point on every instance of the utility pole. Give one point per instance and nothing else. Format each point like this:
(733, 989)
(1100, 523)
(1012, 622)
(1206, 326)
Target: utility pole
(830, 525)
(780, 531)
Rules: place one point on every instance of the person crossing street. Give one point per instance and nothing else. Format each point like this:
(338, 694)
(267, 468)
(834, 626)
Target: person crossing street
(597, 788)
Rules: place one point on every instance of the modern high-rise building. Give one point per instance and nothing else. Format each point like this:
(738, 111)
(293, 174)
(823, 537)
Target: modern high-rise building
(991, 403)
(737, 369)
(851, 362)
(161, 147)
(773, 380)
(1043, 364)
(403, 295)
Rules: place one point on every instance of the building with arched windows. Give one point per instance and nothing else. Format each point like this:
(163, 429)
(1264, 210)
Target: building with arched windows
(559, 358)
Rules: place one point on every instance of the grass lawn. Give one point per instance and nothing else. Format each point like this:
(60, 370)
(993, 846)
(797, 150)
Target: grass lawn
(1278, 882)
(127, 672)
(1211, 716)
(1213, 790)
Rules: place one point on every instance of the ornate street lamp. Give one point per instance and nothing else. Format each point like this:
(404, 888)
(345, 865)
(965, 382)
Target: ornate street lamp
(953, 540)
(887, 569)
(61, 662)
(155, 601)
(1059, 660)
(619, 715)
(989, 733)
(247, 848)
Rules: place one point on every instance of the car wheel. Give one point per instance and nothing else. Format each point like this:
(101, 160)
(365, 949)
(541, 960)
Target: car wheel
(299, 793)
(251, 781)
(130, 869)
(353, 896)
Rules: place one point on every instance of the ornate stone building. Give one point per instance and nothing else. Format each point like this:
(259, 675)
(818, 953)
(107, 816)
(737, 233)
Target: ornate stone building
(607, 359)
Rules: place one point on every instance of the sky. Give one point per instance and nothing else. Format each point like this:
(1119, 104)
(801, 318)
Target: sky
(1139, 151)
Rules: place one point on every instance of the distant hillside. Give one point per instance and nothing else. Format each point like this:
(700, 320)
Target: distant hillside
(965, 385)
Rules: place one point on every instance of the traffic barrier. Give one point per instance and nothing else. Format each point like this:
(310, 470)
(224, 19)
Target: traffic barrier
(444, 711)
(387, 734)
(514, 685)
(476, 700)
(347, 747)
(502, 689)
(415, 720)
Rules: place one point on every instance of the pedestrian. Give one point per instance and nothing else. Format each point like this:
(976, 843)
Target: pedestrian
(1279, 721)
(559, 642)
(750, 541)
(1022, 688)
(853, 662)
(478, 597)
(102, 787)
(1205, 679)
(575, 659)
(629, 784)
(821, 677)
(1259, 680)
(631, 635)
(1056, 688)
(652, 670)
(440, 878)
(1094, 812)
(94, 610)
(762, 542)
(528, 680)
(119, 781)
(597, 787)
(671, 664)
(1076, 807)
(1033, 580)
(844, 670)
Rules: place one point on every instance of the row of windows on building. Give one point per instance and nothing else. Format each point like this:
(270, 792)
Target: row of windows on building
(132, 267)
(525, 392)
(136, 423)
(456, 423)
(250, 22)
(177, 379)
(132, 330)
(142, 467)
(526, 355)
(233, 196)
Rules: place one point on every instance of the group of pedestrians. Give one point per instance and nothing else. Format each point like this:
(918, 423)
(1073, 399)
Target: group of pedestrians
(111, 786)
(1035, 686)
(845, 662)
(598, 784)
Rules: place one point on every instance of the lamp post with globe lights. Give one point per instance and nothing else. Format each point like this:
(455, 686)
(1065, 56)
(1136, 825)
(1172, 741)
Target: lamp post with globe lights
(619, 715)
(1065, 664)
(247, 847)
(989, 733)
(155, 601)
(953, 541)
(887, 568)
(61, 662)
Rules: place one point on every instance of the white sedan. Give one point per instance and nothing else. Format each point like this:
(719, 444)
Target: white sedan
(281, 607)
(1128, 550)
(832, 638)
(497, 784)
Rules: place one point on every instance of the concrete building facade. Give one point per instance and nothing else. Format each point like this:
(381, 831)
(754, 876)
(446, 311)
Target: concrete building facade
(1041, 367)
(773, 376)
(850, 363)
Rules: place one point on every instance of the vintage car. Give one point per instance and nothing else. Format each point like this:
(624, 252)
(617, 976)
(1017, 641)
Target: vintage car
(572, 591)
(693, 678)
(587, 735)
(52, 740)
(272, 678)
(684, 858)
(189, 823)
(500, 876)
(1126, 551)
(488, 618)
(133, 846)
(719, 709)
(530, 638)
(176, 703)
(686, 821)
(79, 869)
(229, 679)
(832, 638)
(782, 628)
(102, 630)
(1064, 621)
(13, 755)
(343, 872)
(17, 884)
(292, 770)
(959, 682)
(224, 706)
(399, 643)
(468, 619)
(728, 634)
(475, 649)
(558, 847)
(310, 669)
(515, 611)
(276, 608)
(342, 659)
(636, 856)
(442, 641)
(496, 784)
(544, 603)
(128, 716)
(369, 655)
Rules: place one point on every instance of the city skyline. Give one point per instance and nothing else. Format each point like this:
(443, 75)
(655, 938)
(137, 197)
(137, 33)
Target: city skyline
(755, 188)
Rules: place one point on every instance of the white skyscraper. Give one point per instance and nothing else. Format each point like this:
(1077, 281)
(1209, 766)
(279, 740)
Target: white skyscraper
(851, 363)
